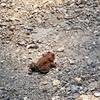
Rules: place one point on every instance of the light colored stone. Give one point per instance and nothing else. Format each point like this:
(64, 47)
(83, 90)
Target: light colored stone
(71, 61)
(56, 82)
(44, 82)
(22, 43)
(2, 61)
(94, 43)
(97, 94)
(26, 98)
(56, 98)
(0, 36)
(87, 97)
(12, 28)
(13, 18)
(3, 4)
(61, 49)
(74, 88)
(7, 42)
(62, 88)
(92, 86)
(34, 46)
(78, 79)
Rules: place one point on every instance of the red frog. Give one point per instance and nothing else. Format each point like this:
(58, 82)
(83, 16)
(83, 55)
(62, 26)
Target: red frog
(44, 63)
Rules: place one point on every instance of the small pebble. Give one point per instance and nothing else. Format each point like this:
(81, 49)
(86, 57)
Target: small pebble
(3, 4)
(71, 61)
(78, 79)
(76, 95)
(2, 88)
(97, 94)
(12, 28)
(34, 46)
(26, 98)
(56, 82)
(29, 28)
(74, 88)
(22, 43)
(87, 97)
(0, 36)
(92, 86)
(44, 82)
(39, 41)
(2, 61)
(13, 18)
(8, 98)
(56, 98)
(7, 42)
(60, 49)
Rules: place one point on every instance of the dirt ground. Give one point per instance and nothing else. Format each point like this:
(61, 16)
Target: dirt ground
(71, 30)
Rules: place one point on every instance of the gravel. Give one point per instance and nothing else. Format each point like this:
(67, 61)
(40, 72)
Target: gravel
(71, 30)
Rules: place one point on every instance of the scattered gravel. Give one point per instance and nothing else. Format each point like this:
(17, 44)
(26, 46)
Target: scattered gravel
(71, 30)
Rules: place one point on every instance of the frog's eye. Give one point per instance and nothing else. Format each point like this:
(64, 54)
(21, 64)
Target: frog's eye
(44, 55)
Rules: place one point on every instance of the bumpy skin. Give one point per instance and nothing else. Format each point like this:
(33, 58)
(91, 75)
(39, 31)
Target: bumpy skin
(44, 64)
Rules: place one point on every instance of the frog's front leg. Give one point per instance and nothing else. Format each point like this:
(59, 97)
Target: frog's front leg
(32, 67)
(53, 65)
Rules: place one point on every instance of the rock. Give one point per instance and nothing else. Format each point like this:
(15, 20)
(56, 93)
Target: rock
(70, 97)
(76, 95)
(7, 42)
(56, 82)
(94, 43)
(75, 88)
(32, 46)
(11, 28)
(85, 89)
(56, 98)
(60, 49)
(92, 86)
(78, 79)
(2, 88)
(2, 61)
(1, 92)
(89, 61)
(39, 41)
(26, 98)
(21, 43)
(78, 2)
(62, 88)
(27, 33)
(29, 28)
(13, 18)
(87, 97)
(44, 82)
(71, 61)
(0, 36)
(7, 98)
(97, 94)
(3, 4)
(24, 57)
